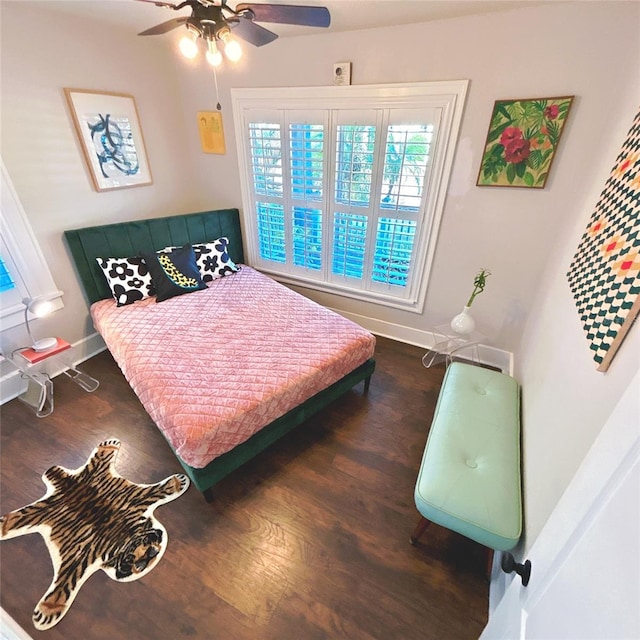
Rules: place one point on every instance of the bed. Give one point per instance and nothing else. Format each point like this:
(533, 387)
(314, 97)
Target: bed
(229, 367)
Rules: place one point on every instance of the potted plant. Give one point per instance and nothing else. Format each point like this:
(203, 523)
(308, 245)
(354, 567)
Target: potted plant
(464, 323)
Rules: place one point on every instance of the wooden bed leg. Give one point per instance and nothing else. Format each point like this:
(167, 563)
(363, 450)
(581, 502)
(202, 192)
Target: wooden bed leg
(208, 494)
(367, 382)
(489, 563)
(420, 529)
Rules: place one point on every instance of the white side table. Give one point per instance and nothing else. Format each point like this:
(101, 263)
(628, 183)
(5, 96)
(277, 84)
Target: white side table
(39, 393)
(448, 345)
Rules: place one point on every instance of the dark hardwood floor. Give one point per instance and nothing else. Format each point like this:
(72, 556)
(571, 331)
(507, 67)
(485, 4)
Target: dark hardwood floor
(310, 540)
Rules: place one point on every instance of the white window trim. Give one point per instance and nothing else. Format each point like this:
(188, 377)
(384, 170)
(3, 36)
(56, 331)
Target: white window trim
(448, 95)
(33, 277)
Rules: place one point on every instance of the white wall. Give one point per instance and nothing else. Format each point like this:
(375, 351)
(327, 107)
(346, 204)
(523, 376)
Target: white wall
(526, 237)
(565, 400)
(529, 52)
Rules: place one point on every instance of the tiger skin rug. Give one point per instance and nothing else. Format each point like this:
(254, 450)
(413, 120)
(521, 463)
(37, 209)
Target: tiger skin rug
(91, 518)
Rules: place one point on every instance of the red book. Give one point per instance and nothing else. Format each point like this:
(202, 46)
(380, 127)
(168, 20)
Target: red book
(32, 356)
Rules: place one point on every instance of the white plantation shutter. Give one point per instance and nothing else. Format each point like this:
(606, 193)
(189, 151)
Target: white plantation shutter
(307, 238)
(343, 191)
(406, 158)
(354, 157)
(355, 134)
(349, 244)
(271, 231)
(307, 166)
(403, 215)
(393, 251)
(288, 168)
(307, 144)
(265, 143)
(266, 158)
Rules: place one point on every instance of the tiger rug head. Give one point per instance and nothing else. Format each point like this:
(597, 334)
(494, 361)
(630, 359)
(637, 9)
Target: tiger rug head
(91, 519)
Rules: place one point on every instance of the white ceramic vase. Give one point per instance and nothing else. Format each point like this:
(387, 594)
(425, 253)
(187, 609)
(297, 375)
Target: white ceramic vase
(463, 323)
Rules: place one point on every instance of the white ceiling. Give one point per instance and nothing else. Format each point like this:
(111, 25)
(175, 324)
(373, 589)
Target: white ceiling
(346, 15)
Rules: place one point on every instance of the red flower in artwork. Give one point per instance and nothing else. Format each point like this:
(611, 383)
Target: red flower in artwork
(552, 111)
(509, 135)
(517, 150)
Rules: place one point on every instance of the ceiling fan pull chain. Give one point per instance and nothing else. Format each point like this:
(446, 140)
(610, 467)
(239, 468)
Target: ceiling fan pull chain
(215, 79)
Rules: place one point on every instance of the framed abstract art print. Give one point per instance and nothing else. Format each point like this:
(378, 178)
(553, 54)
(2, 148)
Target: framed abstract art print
(111, 138)
(604, 275)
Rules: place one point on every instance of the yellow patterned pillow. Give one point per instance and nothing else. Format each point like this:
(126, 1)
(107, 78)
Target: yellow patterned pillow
(174, 274)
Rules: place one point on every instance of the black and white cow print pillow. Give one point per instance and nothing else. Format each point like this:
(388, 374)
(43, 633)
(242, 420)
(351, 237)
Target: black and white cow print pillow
(213, 259)
(128, 278)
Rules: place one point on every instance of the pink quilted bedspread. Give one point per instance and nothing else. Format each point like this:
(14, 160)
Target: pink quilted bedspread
(213, 367)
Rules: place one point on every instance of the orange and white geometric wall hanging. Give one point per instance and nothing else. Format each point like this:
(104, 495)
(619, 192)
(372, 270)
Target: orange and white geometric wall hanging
(604, 275)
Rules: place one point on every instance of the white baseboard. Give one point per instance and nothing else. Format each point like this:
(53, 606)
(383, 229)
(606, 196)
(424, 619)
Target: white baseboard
(499, 582)
(12, 384)
(10, 629)
(487, 354)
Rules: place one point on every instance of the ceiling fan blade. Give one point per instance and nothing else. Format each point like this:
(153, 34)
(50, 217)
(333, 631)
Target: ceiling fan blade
(164, 26)
(288, 14)
(158, 3)
(251, 32)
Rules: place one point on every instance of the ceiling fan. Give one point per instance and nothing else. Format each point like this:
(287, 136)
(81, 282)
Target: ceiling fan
(215, 21)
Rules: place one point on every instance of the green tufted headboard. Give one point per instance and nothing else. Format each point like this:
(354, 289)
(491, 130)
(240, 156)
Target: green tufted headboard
(125, 239)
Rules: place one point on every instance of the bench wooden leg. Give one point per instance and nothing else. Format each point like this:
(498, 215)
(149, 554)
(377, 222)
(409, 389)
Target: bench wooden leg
(419, 530)
(489, 563)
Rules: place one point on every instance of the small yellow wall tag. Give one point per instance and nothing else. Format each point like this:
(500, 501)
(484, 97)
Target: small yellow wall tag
(211, 132)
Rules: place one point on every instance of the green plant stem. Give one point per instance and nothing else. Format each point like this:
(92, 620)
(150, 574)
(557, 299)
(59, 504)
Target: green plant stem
(479, 284)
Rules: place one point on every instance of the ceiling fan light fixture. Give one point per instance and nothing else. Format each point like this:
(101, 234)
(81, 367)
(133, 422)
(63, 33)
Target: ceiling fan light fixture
(232, 48)
(214, 57)
(214, 20)
(188, 45)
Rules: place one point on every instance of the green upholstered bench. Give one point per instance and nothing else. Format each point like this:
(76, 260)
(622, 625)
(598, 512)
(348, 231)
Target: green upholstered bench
(469, 479)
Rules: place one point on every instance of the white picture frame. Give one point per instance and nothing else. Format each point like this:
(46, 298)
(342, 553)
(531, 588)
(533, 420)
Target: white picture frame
(111, 139)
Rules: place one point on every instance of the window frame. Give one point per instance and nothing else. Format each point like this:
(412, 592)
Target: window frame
(23, 257)
(448, 97)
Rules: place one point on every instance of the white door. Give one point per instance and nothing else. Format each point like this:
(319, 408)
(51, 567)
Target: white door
(585, 577)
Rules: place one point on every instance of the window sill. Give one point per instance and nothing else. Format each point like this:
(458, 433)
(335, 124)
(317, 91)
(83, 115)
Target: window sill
(413, 306)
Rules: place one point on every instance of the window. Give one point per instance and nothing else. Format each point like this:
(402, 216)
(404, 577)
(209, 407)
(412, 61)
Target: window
(343, 191)
(12, 290)
(23, 269)
(6, 281)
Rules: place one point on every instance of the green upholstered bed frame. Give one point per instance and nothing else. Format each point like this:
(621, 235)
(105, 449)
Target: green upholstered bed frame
(124, 239)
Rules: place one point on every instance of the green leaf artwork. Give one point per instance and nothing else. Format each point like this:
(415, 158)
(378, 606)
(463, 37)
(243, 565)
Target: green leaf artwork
(522, 140)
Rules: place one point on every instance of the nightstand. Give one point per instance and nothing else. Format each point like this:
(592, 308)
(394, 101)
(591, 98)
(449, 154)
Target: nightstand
(448, 345)
(39, 392)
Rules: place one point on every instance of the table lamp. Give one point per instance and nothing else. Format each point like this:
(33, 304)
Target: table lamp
(39, 307)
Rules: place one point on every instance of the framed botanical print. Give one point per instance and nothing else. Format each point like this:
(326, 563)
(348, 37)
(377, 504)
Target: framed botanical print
(522, 141)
